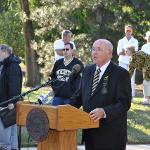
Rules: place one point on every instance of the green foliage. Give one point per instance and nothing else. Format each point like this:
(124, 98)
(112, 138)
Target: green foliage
(89, 20)
(5, 4)
(11, 29)
(46, 56)
(33, 4)
(138, 123)
(83, 47)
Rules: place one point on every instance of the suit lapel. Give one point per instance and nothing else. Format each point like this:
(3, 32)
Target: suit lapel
(106, 74)
(90, 79)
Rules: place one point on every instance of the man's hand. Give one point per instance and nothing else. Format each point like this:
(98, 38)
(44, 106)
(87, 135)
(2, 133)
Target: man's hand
(10, 106)
(122, 53)
(128, 52)
(97, 114)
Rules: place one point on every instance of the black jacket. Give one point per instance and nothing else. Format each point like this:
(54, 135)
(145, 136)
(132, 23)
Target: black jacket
(113, 94)
(10, 78)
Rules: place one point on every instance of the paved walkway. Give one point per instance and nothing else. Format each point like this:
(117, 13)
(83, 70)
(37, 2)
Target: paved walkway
(129, 147)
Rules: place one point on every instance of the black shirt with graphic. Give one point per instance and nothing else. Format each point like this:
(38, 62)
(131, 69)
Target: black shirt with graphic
(66, 85)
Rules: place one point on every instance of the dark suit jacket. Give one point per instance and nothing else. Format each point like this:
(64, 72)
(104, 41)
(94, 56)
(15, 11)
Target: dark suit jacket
(113, 93)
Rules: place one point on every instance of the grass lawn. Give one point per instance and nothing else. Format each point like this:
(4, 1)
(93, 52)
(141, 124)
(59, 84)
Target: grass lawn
(138, 120)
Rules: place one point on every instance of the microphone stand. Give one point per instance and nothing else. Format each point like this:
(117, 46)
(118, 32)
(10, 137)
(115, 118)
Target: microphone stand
(25, 93)
(19, 97)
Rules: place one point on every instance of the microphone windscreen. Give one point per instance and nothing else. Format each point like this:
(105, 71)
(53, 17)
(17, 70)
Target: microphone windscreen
(76, 68)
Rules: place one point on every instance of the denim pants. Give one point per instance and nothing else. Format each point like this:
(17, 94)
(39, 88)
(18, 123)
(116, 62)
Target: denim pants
(59, 101)
(8, 137)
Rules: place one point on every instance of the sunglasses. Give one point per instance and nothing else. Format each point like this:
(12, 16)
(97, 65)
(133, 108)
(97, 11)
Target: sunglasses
(128, 30)
(65, 49)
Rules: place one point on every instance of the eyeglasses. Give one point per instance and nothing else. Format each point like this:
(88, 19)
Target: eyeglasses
(65, 49)
(97, 49)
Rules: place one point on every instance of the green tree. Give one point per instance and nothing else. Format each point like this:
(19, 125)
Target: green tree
(11, 26)
(88, 20)
(32, 68)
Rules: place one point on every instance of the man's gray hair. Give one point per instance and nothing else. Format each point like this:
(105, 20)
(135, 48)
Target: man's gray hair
(66, 32)
(109, 44)
(106, 42)
(6, 48)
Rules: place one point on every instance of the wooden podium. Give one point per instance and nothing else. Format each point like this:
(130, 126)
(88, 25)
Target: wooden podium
(64, 120)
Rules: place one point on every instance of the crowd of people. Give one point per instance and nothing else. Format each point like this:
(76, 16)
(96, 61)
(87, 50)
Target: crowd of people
(123, 47)
(104, 89)
(67, 83)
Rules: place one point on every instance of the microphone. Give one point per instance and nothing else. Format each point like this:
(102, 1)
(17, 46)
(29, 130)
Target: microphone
(76, 69)
(42, 99)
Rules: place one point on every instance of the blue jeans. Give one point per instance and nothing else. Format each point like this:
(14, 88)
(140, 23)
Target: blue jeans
(8, 137)
(59, 101)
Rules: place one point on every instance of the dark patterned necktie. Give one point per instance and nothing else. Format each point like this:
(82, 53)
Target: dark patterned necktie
(95, 80)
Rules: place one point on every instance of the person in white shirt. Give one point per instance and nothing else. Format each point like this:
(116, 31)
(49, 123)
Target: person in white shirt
(146, 84)
(59, 44)
(124, 60)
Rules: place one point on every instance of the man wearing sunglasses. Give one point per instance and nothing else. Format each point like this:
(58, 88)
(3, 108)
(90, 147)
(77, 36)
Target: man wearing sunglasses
(124, 59)
(66, 83)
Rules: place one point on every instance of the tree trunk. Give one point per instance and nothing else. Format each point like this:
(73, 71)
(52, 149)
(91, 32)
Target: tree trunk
(32, 67)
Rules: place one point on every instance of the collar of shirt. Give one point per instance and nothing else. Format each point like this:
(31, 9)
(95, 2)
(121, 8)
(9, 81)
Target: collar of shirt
(66, 62)
(125, 38)
(103, 68)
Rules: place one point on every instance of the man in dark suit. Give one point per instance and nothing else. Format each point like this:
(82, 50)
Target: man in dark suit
(106, 99)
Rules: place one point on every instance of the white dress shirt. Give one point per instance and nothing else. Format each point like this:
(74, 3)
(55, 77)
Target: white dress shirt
(122, 44)
(103, 68)
(146, 48)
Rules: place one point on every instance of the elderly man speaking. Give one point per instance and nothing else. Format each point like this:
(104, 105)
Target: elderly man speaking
(105, 93)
